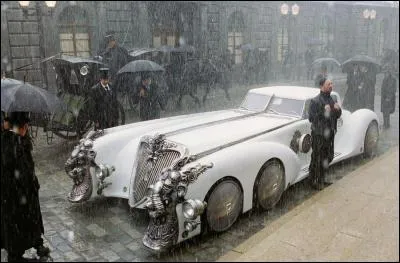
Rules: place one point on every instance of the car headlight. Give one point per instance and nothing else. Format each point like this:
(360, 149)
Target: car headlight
(192, 208)
(103, 171)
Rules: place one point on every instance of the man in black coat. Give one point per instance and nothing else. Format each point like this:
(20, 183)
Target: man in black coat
(309, 58)
(388, 97)
(353, 97)
(103, 103)
(21, 220)
(323, 114)
(150, 99)
(114, 55)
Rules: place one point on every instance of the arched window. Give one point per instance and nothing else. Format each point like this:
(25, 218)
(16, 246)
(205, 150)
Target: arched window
(74, 32)
(381, 37)
(235, 35)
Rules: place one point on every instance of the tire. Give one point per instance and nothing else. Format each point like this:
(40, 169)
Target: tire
(270, 185)
(224, 205)
(371, 140)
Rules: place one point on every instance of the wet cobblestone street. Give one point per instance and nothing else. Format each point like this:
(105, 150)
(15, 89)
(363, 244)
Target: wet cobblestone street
(107, 229)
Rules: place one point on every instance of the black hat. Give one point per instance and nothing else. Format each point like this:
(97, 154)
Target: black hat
(146, 75)
(104, 73)
(19, 118)
(110, 35)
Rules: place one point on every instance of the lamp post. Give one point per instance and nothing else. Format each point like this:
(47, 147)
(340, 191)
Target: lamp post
(50, 4)
(369, 15)
(292, 11)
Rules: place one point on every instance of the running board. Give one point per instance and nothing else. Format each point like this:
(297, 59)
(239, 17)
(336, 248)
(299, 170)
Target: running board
(305, 169)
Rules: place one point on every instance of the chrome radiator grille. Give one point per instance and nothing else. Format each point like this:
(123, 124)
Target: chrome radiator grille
(147, 172)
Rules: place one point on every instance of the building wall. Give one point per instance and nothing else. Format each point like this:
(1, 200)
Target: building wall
(21, 37)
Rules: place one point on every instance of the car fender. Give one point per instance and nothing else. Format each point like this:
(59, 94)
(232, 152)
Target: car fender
(243, 162)
(354, 127)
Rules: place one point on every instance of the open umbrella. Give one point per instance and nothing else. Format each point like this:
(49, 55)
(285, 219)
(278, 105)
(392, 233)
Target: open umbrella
(326, 61)
(6, 83)
(140, 66)
(28, 98)
(361, 60)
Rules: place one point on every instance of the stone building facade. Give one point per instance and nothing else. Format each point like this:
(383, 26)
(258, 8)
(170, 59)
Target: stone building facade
(78, 27)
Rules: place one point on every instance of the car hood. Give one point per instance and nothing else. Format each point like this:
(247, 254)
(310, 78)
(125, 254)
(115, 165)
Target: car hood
(198, 132)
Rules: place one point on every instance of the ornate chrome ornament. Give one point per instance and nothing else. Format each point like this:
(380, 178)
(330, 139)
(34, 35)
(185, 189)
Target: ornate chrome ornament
(77, 167)
(156, 145)
(162, 199)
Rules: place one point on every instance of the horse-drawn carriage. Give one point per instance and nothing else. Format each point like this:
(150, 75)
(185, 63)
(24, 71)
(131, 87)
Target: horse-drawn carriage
(74, 78)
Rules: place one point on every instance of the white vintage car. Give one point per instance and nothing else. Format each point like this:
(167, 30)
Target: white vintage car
(201, 171)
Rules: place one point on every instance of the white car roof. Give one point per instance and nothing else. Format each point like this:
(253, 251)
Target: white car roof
(290, 92)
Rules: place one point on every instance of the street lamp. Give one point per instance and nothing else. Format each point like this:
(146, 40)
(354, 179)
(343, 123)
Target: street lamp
(369, 15)
(50, 4)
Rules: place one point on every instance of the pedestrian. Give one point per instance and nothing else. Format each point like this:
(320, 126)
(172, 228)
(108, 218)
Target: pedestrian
(388, 97)
(264, 57)
(288, 62)
(150, 99)
(309, 58)
(21, 220)
(321, 75)
(352, 99)
(323, 114)
(114, 55)
(103, 103)
(370, 82)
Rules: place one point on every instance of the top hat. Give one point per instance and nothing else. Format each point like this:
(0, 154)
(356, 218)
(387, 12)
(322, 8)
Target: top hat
(110, 35)
(19, 118)
(104, 73)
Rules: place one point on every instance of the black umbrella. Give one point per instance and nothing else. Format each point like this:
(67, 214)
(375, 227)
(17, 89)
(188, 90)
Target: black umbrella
(140, 66)
(28, 98)
(361, 60)
(325, 61)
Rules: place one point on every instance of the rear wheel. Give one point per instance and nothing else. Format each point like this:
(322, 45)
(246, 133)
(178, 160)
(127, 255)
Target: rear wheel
(270, 185)
(224, 205)
(371, 140)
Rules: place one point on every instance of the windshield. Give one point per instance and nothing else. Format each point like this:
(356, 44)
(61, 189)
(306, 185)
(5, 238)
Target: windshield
(286, 106)
(255, 102)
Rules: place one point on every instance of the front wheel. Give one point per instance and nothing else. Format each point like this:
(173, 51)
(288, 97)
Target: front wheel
(371, 140)
(224, 205)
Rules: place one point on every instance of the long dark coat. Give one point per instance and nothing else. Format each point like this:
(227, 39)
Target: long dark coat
(353, 99)
(388, 94)
(323, 129)
(21, 219)
(103, 106)
(151, 103)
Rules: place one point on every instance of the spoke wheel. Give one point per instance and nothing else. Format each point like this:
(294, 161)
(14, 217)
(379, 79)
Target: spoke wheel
(224, 206)
(270, 185)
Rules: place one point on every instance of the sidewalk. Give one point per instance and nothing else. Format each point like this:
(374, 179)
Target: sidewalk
(354, 219)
